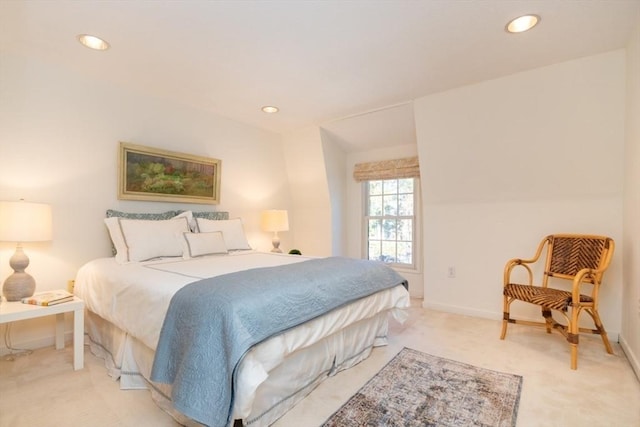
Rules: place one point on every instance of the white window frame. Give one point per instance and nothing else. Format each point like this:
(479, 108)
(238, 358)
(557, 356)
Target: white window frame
(415, 232)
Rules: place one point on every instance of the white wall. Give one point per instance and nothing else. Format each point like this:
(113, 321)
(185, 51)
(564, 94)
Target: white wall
(506, 162)
(335, 167)
(59, 136)
(630, 335)
(355, 209)
(310, 216)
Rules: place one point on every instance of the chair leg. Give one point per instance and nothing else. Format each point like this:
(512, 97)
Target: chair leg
(605, 339)
(548, 319)
(574, 356)
(505, 317)
(573, 336)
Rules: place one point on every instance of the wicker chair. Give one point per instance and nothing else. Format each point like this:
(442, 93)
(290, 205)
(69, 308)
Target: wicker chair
(581, 259)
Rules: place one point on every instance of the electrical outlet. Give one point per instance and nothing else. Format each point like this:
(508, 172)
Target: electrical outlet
(451, 272)
(70, 285)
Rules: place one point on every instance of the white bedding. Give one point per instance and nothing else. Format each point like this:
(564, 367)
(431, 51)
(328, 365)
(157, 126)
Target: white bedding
(116, 292)
(135, 297)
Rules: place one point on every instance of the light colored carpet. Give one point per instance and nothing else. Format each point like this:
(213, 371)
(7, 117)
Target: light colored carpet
(43, 390)
(416, 389)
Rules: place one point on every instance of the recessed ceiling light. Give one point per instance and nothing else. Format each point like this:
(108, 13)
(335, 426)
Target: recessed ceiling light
(93, 42)
(522, 23)
(269, 109)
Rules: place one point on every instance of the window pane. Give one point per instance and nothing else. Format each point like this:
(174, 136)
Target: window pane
(405, 230)
(390, 220)
(375, 206)
(405, 205)
(374, 250)
(390, 186)
(388, 251)
(390, 205)
(389, 229)
(375, 187)
(375, 226)
(405, 252)
(405, 185)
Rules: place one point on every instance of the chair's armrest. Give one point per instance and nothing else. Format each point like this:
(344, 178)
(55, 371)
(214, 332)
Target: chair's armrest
(513, 263)
(580, 277)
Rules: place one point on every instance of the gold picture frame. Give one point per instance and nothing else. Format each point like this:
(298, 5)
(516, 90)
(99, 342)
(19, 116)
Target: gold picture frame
(153, 174)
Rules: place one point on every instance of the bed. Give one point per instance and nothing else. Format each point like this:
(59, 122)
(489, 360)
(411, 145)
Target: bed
(131, 299)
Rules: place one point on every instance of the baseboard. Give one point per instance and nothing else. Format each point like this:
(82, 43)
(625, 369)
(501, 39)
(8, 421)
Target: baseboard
(466, 311)
(631, 356)
(614, 336)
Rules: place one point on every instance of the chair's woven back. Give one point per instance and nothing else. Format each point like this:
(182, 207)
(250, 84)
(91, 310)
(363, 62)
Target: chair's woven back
(572, 253)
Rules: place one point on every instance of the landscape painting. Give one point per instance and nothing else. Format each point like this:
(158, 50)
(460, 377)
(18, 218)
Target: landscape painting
(159, 175)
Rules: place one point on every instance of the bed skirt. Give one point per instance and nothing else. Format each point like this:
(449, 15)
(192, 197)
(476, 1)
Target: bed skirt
(267, 387)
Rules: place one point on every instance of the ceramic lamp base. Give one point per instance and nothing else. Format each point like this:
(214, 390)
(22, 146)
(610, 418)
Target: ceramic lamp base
(276, 244)
(18, 286)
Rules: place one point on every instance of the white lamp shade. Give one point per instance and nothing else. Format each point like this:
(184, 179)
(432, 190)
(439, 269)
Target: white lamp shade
(275, 220)
(25, 222)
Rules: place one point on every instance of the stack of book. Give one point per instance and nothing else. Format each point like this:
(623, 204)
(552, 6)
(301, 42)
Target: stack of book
(47, 298)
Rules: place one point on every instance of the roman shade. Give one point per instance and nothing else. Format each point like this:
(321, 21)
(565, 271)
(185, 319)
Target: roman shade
(387, 169)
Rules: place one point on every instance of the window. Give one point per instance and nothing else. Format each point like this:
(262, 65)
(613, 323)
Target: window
(390, 220)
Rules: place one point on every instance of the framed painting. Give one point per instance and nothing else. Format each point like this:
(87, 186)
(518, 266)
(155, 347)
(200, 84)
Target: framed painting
(166, 176)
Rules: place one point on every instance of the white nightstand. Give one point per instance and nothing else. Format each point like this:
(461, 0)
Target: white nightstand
(11, 311)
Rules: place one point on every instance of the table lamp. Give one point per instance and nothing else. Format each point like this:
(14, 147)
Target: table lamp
(275, 220)
(22, 222)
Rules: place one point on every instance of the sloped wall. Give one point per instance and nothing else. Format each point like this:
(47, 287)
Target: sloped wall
(506, 162)
(310, 216)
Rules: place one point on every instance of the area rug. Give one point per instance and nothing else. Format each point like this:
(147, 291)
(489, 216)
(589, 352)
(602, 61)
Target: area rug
(417, 389)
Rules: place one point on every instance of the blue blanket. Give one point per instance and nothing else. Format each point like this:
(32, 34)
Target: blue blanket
(210, 324)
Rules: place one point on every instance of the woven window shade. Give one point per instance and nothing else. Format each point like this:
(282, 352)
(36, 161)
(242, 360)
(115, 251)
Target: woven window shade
(387, 169)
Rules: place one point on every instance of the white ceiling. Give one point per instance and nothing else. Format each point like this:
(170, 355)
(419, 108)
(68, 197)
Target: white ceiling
(318, 61)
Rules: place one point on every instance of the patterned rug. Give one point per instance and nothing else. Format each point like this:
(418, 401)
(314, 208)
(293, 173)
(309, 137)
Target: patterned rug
(417, 389)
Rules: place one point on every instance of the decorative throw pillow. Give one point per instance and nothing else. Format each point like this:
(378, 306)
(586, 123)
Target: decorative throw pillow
(199, 244)
(231, 229)
(147, 239)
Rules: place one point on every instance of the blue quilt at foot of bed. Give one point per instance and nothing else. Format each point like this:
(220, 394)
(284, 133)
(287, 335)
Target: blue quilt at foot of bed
(212, 323)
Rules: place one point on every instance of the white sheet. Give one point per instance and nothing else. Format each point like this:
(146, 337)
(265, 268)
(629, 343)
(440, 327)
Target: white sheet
(135, 298)
(116, 292)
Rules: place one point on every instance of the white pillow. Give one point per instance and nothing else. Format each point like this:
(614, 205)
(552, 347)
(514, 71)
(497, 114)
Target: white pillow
(199, 244)
(189, 216)
(231, 229)
(147, 239)
(113, 225)
(115, 231)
